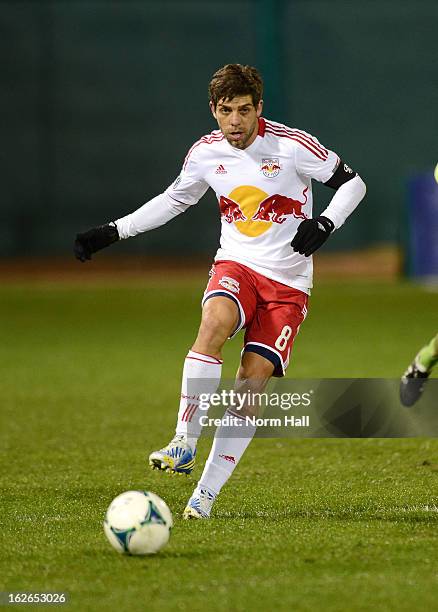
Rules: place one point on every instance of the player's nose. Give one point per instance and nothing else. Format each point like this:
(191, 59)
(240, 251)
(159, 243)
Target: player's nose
(235, 119)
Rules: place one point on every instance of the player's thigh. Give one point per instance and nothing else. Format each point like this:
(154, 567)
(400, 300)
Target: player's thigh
(274, 328)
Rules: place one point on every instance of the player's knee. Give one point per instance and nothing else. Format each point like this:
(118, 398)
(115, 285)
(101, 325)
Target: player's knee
(255, 368)
(219, 316)
(213, 327)
(219, 319)
(253, 375)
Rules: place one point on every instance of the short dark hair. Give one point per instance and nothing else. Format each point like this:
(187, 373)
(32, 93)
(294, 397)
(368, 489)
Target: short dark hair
(235, 80)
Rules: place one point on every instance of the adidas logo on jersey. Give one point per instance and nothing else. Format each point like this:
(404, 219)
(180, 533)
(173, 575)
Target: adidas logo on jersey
(220, 170)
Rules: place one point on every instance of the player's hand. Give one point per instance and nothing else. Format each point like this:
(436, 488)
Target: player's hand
(311, 234)
(95, 239)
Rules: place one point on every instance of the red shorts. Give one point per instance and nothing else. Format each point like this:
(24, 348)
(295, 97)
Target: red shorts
(270, 312)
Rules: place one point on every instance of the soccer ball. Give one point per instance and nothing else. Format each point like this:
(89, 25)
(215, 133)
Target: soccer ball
(138, 523)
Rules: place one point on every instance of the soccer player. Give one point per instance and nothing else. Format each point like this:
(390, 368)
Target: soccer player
(261, 172)
(413, 380)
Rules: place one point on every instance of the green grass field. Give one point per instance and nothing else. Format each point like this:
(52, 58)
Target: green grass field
(89, 384)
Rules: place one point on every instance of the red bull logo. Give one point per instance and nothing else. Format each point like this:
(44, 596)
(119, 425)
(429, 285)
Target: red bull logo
(230, 283)
(277, 208)
(230, 210)
(253, 212)
(270, 167)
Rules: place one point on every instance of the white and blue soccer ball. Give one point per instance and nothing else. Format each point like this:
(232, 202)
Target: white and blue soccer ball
(138, 523)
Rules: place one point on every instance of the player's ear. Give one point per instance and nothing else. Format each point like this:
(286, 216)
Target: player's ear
(259, 108)
(213, 110)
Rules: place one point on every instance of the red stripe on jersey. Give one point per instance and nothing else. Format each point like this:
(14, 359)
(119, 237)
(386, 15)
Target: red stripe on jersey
(293, 131)
(312, 142)
(300, 141)
(203, 140)
(315, 142)
(262, 127)
(215, 136)
(209, 139)
(296, 134)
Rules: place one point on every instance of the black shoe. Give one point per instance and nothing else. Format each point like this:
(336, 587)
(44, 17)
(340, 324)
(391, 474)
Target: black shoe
(412, 384)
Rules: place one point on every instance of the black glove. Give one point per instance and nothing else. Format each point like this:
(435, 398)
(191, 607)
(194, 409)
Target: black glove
(95, 239)
(311, 234)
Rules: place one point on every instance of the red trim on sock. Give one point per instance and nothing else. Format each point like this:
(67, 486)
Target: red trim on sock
(237, 415)
(191, 414)
(205, 361)
(204, 355)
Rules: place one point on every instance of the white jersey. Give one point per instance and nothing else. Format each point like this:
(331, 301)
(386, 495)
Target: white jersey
(263, 191)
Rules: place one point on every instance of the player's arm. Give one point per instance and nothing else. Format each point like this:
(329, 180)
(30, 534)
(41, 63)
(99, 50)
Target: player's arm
(186, 191)
(154, 213)
(350, 190)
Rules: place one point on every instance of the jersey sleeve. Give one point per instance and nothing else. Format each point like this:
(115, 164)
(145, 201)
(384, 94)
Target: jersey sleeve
(312, 159)
(190, 186)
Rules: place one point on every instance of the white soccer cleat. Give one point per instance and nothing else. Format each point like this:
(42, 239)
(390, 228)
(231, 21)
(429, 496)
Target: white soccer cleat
(200, 504)
(176, 457)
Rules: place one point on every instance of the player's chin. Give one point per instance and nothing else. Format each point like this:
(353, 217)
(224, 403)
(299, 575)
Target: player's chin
(237, 144)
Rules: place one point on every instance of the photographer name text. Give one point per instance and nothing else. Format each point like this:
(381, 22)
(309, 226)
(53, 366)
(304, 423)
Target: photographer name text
(242, 421)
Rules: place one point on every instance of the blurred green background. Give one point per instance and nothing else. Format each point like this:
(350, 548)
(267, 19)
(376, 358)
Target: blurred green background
(101, 101)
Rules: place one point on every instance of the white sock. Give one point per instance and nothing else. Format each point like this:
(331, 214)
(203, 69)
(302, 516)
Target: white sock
(225, 454)
(201, 375)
